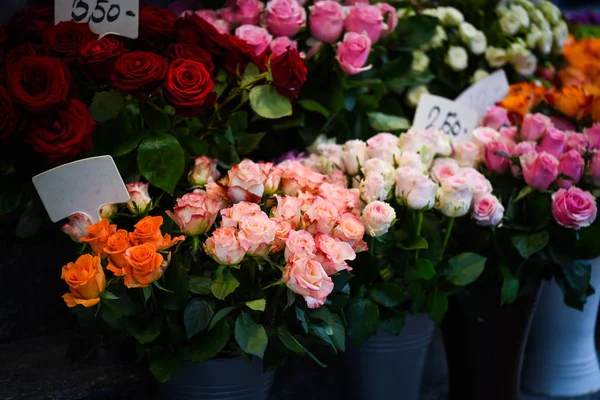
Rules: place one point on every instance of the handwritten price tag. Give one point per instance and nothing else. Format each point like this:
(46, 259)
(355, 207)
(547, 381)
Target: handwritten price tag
(454, 119)
(485, 93)
(120, 17)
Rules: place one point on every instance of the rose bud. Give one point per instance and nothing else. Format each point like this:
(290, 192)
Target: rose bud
(594, 169)
(509, 133)
(454, 197)
(224, 247)
(495, 162)
(257, 234)
(593, 134)
(204, 171)
(495, 118)
(77, 226)
(288, 72)
(487, 210)
(467, 154)
(539, 170)
(299, 244)
(257, 37)
(284, 17)
(351, 230)
(354, 155)
(553, 142)
(246, 182)
(377, 218)
(282, 232)
(139, 198)
(195, 213)
(365, 18)
(108, 211)
(144, 266)
(326, 21)
(571, 165)
(534, 127)
(578, 142)
(307, 278)
(477, 182)
(574, 208)
(86, 281)
(414, 189)
(352, 53)
(521, 149)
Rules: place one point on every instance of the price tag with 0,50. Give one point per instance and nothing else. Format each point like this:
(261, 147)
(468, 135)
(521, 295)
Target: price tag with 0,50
(437, 112)
(119, 17)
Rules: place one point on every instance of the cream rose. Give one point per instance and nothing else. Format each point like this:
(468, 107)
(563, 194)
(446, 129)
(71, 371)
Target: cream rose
(454, 197)
(377, 218)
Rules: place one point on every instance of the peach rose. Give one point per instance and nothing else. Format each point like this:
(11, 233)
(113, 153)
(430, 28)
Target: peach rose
(332, 253)
(307, 278)
(297, 177)
(288, 209)
(282, 232)
(224, 247)
(144, 265)
(351, 230)
(204, 171)
(235, 214)
(195, 213)
(217, 191)
(86, 281)
(343, 199)
(257, 234)
(246, 182)
(273, 177)
(320, 216)
(116, 245)
(77, 226)
(98, 234)
(299, 244)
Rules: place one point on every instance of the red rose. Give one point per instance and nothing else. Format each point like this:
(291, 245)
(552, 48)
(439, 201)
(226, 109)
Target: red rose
(187, 87)
(8, 115)
(289, 73)
(97, 58)
(29, 24)
(38, 83)
(26, 49)
(194, 30)
(64, 134)
(190, 52)
(65, 39)
(239, 55)
(157, 27)
(139, 72)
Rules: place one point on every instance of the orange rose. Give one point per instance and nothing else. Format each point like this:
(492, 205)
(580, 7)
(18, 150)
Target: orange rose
(115, 248)
(522, 97)
(572, 76)
(595, 109)
(144, 265)
(98, 234)
(572, 101)
(148, 231)
(86, 281)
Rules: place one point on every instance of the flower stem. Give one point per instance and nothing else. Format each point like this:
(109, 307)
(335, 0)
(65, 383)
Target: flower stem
(448, 232)
(419, 222)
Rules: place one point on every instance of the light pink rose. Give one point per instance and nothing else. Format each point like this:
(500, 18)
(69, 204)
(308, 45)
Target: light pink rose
(273, 177)
(333, 253)
(553, 142)
(378, 166)
(365, 18)
(248, 11)
(217, 191)
(351, 230)
(352, 53)
(307, 278)
(410, 159)
(306, 199)
(299, 244)
(77, 226)
(467, 154)
(285, 17)
(195, 213)
(228, 14)
(573, 208)
(454, 197)
(257, 234)
(572, 165)
(593, 135)
(390, 15)
(331, 154)
(519, 150)
(354, 155)
(139, 198)
(534, 127)
(320, 216)
(594, 169)
(495, 117)
(495, 162)
(578, 142)
(478, 183)
(359, 205)
(224, 247)
(443, 168)
(221, 25)
(235, 214)
(297, 177)
(280, 45)
(482, 136)
(337, 178)
(288, 209)
(383, 146)
(108, 211)
(487, 210)
(282, 233)
(353, 2)
(509, 132)
(204, 171)
(258, 38)
(375, 187)
(377, 218)
(539, 170)
(326, 21)
(246, 182)
(343, 199)
(415, 189)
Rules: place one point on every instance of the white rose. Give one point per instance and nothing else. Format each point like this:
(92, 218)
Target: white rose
(510, 22)
(404, 13)
(550, 11)
(450, 16)
(442, 143)
(377, 218)
(420, 61)
(354, 155)
(478, 43)
(487, 210)
(438, 38)
(457, 58)
(415, 189)
(379, 167)
(533, 37)
(526, 66)
(495, 56)
(443, 168)
(384, 146)
(523, 16)
(526, 4)
(478, 183)
(410, 159)
(466, 31)
(454, 197)
(375, 187)
(538, 18)
(414, 95)
(432, 12)
(545, 43)
(561, 33)
(479, 75)
(467, 154)
(517, 51)
(420, 142)
(484, 135)
(332, 154)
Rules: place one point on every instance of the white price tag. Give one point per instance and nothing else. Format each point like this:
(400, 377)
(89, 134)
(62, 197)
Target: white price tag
(119, 17)
(81, 187)
(454, 119)
(485, 93)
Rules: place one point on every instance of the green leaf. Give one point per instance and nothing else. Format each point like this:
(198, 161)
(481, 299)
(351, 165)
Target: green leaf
(154, 117)
(322, 316)
(339, 333)
(437, 305)
(363, 319)
(257, 305)
(195, 146)
(164, 364)
(398, 85)
(249, 142)
(147, 291)
(388, 294)
(301, 317)
(144, 334)
(294, 345)
(393, 324)
(207, 345)
(106, 106)
(465, 268)
(200, 284)
(321, 333)
(238, 122)
(510, 288)
(108, 295)
(266, 102)
(414, 32)
(387, 123)
(577, 277)
(529, 244)
(219, 315)
(312, 105)
(224, 284)
(196, 317)
(414, 243)
(251, 74)
(126, 145)
(251, 337)
(425, 269)
(159, 287)
(161, 160)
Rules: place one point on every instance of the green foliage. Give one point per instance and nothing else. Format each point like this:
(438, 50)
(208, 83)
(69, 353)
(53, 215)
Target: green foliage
(437, 304)
(268, 103)
(224, 284)
(106, 106)
(250, 336)
(207, 345)
(161, 160)
(363, 318)
(465, 268)
(530, 244)
(197, 316)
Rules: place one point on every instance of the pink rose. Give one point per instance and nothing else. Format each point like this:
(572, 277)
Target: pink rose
(384, 146)
(257, 234)
(509, 132)
(487, 210)
(553, 142)
(578, 142)
(204, 171)
(352, 53)
(299, 244)
(285, 17)
(77, 226)
(342, 198)
(235, 214)
(297, 177)
(375, 187)
(495, 162)
(228, 14)
(195, 213)
(410, 159)
(573, 208)
(258, 38)
(139, 198)
(478, 183)
(246, 182)
(351, 230)
(534, 127)
(282, 232)
(365, 18)
(353, 2)
(378, 166)
(539, 170)
(454, 197)
(495, 117)
(467, 154)
(326, 21)
(280, 45)
(307, 278)
(321, 216)
(224, 247)
(337, 178)
(482, 136)
(274, 174)
(593, 135)
(288, 209)
(415, 189)
(217, 191)
(519, 150)
(571, 165)
(248, 11)
(595, 169)
(391, 17)
(377, 218)
(207, 15)
(443, 168)
(332, 253)
(221, 25)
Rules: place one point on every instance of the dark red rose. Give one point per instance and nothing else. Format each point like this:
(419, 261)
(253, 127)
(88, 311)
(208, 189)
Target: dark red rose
(239, 55)
(97, 58)
(8, 115)
(29, 24)
(65, 39)
(38, 82)
(26, 49)
(190, 52)
(140, 72)
(194, 30)
(289, 73)
(187, 87)
(63, 134)
(157, 27)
